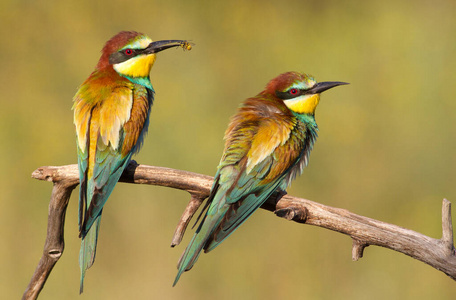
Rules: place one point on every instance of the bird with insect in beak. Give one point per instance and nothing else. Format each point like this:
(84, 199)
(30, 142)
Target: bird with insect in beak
(111, 115)
(267, 144)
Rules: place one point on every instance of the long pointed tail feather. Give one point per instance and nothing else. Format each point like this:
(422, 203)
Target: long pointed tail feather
(198, 242)
(189, 257)
(88, 250)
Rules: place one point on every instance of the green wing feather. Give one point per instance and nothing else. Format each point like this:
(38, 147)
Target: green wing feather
(243, 201)
(107, 171)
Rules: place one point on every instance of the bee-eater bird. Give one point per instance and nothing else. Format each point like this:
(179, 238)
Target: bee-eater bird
(267, 144)
(111, 115)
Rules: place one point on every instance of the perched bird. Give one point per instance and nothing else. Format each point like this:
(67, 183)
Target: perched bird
(267, 144)
(111, 115)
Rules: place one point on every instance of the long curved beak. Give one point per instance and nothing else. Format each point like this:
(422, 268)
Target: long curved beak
(323, 86)
(158, 46)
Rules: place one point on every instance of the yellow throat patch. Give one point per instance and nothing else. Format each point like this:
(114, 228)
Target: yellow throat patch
(305, 104)
(138, 66)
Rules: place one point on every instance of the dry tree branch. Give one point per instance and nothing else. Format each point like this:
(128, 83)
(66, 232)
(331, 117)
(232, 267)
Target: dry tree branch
(438, 253)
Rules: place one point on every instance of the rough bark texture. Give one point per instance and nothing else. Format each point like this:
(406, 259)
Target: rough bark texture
(438, 253)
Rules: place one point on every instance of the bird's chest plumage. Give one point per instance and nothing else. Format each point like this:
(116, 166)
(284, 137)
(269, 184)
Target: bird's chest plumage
(112, 111)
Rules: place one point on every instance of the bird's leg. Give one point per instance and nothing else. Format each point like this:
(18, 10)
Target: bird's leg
(277, 194)
(297, 214)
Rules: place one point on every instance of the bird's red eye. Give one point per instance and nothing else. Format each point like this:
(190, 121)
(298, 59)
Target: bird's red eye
(293, 91)
(128, 52)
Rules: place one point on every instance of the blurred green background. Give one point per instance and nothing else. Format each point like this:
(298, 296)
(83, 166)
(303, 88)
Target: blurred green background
(386, 148)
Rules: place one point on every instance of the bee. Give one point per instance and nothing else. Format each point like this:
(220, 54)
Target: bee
(186, 45)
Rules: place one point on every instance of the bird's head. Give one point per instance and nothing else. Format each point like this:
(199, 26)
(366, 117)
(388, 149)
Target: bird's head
(133, 54)
(298, 91)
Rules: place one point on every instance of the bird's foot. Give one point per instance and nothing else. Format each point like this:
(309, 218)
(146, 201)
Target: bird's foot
(297, 214)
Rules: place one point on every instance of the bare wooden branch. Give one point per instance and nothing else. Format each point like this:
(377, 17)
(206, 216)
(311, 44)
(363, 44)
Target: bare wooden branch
(447, 227)
(54, 245)
(358, 249)
(438, 253)
(190, 210)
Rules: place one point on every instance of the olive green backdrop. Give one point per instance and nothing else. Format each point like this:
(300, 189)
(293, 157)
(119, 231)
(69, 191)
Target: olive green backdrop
(386, 148)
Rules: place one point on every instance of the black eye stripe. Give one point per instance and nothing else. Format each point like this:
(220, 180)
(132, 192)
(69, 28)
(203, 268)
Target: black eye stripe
(289, 95)
(122, 55)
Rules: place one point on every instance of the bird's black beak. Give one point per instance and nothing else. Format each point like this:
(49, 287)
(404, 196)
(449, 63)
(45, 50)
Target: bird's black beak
(158, 46)
(323, 86)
